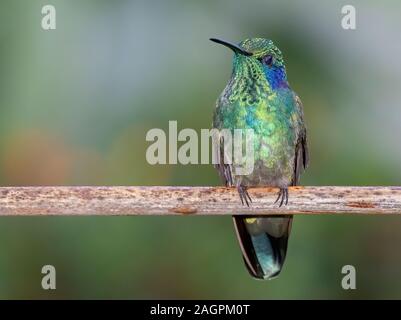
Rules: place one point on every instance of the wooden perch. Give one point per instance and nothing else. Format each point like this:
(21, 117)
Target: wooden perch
(80, 201)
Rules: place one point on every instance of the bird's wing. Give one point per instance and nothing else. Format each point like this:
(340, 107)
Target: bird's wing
(301, 148)
(225, 170)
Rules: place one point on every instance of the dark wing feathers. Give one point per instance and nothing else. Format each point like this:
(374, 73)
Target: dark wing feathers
(225, 170)
(301, 148)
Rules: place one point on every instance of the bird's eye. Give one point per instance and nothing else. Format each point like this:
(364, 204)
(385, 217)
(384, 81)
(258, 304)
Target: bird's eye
(267, 60)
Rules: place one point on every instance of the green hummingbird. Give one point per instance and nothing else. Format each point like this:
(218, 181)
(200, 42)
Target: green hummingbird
(259, 97)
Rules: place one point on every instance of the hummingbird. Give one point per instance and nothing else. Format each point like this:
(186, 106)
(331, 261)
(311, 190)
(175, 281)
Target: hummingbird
(259, 97)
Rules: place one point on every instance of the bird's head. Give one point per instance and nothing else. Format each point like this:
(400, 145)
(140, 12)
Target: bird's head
(258, 59)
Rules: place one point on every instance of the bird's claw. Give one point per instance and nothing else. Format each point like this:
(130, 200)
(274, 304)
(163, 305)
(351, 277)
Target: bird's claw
(282, 196)
(244, 195)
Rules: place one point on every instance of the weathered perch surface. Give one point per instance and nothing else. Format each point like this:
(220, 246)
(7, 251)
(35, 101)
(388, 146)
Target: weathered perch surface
(78, 201)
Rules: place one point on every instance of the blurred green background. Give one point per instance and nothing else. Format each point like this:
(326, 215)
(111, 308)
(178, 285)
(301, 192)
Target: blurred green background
(76, 103)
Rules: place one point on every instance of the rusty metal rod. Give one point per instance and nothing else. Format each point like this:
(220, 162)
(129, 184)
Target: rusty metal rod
(81, 201)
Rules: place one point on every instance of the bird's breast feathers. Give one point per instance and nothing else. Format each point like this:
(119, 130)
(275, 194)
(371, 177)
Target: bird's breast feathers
(275, 121)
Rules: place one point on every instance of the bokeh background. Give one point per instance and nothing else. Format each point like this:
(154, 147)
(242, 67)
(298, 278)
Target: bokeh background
(76, 103)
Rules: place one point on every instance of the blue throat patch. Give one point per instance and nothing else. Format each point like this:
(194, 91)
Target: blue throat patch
(276, 77)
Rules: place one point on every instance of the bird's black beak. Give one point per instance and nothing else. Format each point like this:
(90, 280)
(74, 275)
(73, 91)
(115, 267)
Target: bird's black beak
(232, 46)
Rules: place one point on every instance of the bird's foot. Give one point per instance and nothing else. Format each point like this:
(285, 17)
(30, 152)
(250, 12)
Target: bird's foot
(244, 195)
(282, 196)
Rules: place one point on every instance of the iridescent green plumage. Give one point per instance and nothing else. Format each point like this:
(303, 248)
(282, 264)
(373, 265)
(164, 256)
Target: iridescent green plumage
(259, 97)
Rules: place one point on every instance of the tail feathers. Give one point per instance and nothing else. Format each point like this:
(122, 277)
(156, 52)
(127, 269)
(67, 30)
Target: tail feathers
(263, 242)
